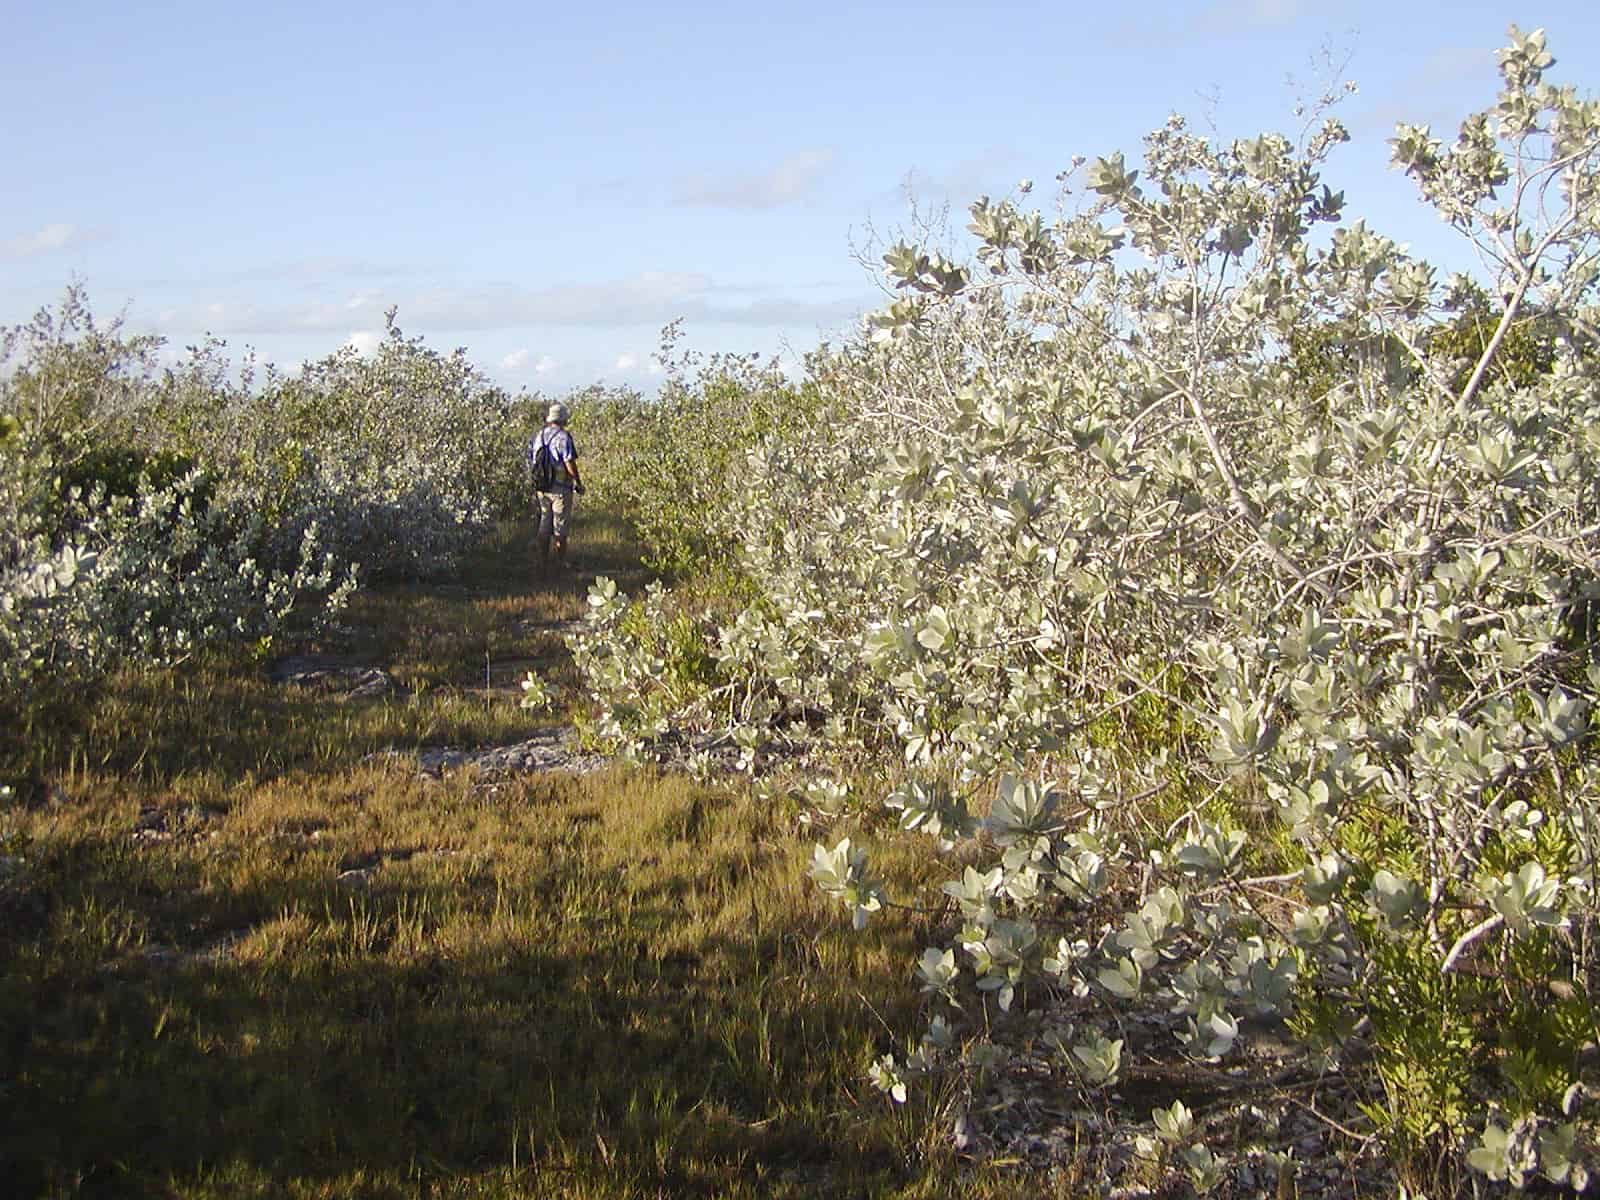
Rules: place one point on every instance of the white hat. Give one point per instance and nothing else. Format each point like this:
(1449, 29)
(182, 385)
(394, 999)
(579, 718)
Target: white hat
(558, 413)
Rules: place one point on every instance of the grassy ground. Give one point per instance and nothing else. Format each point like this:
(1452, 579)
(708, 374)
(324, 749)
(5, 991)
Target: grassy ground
(242, 956)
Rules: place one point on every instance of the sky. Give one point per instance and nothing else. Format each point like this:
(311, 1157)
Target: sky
(548, 185)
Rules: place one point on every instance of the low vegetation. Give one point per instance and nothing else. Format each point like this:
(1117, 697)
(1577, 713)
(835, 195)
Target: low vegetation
(1128, 715)
(250, 948)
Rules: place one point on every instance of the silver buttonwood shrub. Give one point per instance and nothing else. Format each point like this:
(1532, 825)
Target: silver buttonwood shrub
(665, 460)
(385, 465)
(1081, 486)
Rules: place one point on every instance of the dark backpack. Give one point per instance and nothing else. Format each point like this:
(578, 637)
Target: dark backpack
(541, 464)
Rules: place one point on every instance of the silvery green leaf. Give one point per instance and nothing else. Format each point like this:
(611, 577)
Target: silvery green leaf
(932, 809)
(1308, 811)
(1243, 732)
(1447, 622)
(887, 1077)
(1081, 877)
(830, 868)
(938, 970)
(1517, 820)
(903, 263)
(1323, 878)
(1212, 1035)
(1109, 176)
(1123, 981)
(1210, 851)
(1271, 984)
(535, 693)
(1174, 1123)
(1313, 639)
(1562, 718)
(842, 873)
(1497, 456)
(1394, 897)
(1501, 1155)
(1146, 932)
(973, 892)
(1023, 885)
(920, 746)
(1024, 854)
(1471, 570)
(1316, 692)
(940, 1036)
(1205, 1171)
(826, 794)
(1099, 1059)
(1021, 808)
(1196, 988)
(1314, 930)
(1526, 897)
(935, 632)
(1066, 953)
(1010, 942)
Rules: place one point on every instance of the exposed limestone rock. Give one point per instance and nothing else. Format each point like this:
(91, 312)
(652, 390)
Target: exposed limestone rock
(331, 676)
(548, 750)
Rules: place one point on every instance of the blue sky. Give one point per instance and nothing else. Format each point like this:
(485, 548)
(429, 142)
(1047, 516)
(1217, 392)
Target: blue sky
(548, 185)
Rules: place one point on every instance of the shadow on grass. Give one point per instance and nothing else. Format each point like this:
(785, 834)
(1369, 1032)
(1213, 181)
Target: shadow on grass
(123, 1083)
(420, 1031)
(604, 987)
(601, 544)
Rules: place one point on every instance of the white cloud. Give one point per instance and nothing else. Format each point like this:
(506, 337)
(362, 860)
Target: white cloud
(364, 341)
(326, 272)
(57, 236)
(1229, 18)
(630, 363)
(651, 298)
(523, 360)
(1232, 16)
(989, 172)
(322, 269)
(789, 180)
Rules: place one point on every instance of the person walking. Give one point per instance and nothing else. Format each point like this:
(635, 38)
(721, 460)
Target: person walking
(554, 457)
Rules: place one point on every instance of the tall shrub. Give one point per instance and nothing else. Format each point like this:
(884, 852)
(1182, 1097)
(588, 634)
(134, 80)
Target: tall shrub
(148, 511)
(675, 458)
(1091, 553)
